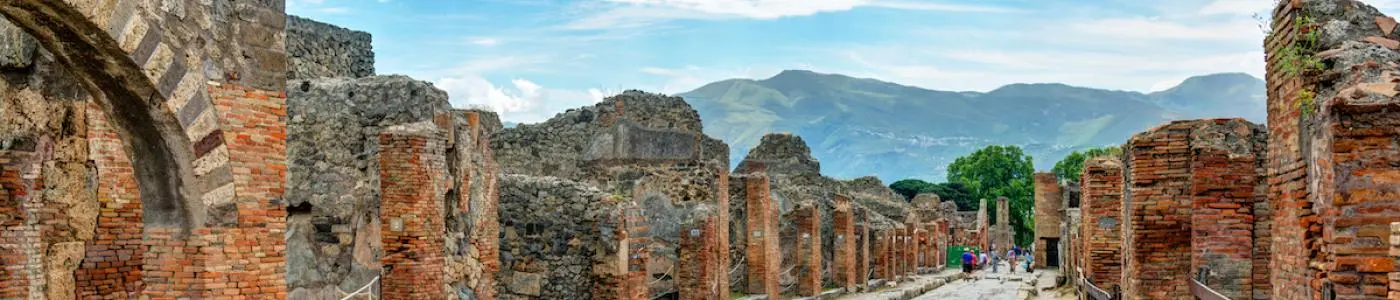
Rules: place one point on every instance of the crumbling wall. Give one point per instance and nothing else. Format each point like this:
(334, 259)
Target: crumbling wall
(333, 184)
(553, 233)
(1226, 171)
(413, 182)
(1332, 147)
(473, 217)
(320, 50)
(643, 147)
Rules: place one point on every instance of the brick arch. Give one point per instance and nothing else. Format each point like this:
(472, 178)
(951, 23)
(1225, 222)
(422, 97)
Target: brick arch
(207, 155)
(162, 155)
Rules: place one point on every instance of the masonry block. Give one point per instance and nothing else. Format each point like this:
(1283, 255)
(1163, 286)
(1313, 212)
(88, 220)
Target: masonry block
(1047, 216)
(1157, 227)
(1226, 183)
(700, 273)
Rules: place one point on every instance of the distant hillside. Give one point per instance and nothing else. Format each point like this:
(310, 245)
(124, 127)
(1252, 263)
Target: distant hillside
(859, 127)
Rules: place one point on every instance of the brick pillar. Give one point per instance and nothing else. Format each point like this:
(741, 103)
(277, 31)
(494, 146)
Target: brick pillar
(1394, 277)
(899, 253)
(1223, 182)
(624, 272)
(112, 264)
(699, 272)
(410, 168)
(1157, 228)
(863, 244)
(1297, 231)
(844, 258)
(911, 264)
(809, 251)
(762, 243)
(881, 256)
(1101, 194)
(1047, 216)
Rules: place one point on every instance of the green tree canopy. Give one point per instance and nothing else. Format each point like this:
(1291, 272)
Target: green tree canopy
(1072, 165)
(947, 191)
(1000, 171)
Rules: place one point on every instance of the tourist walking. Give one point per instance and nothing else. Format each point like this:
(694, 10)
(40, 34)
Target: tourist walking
(1011, 259)
(967, 261)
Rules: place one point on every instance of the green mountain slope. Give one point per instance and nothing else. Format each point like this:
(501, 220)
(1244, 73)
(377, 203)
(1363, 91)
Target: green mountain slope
(858, 127)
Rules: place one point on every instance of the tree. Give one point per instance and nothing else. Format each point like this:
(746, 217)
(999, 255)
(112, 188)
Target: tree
(1000, 171)
(910, 188)
(1072, 165)
(947, 191)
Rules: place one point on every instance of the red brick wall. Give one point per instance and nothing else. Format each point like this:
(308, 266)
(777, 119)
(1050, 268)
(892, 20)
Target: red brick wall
(1296, 229)
(1223, 187)
(844, 260)
(19, 234)
(1101, 223)
(809, 251)
(485, 235)
(1356, 182)
(863, 244)
(254, 252)
(1047, 215)
(722, 203)
(1394, 292)
(700, 273)
(1157, 236)
(884, 268)
(112, 265)
(762, 238)
(410, 168)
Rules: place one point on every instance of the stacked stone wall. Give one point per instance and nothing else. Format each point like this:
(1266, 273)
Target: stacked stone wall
(320, 50)
(1296, 230)
(1157, 248)
(1224, 186)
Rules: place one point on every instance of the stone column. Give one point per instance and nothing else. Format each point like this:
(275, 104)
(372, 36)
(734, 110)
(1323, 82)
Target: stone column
(863, 244)
(411, 162)
(809, 251)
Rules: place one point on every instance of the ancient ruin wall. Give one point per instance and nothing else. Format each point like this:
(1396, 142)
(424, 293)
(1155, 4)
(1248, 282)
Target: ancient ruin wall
(1157, 248)
(1225, 177)
(1102, 189)
(334, 183)
(320, 50)
(1293, 232)
(553, 232)
(809, 251)
(844, 262)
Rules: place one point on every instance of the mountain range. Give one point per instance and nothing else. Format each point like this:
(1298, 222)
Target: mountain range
(859, 127)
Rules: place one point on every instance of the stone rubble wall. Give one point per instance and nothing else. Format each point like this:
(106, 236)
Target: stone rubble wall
(333, 184)
(320, 50)
(553, 233)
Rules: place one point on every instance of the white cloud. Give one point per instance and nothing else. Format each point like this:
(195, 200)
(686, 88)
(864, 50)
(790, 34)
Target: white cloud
(1237, 7)
(640, 13)
(1157, 28)
(488, 42)
(521, 101)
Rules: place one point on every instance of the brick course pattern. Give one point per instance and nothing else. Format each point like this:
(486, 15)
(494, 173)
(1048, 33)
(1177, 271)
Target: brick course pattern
(1296, 232)
(762, 238)
(1226, 182)
(809, 251)
(1102, 203)
(700, 273)
(844, 258)
(412, 168)
(1156, 233)
(1047, 215)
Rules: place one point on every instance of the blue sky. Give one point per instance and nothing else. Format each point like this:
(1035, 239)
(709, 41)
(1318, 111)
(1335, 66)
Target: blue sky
(530, 59)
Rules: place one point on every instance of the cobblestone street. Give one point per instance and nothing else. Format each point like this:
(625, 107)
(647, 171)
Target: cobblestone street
(1001, 285)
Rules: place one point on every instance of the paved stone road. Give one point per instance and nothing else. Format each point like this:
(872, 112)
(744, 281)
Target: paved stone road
(987, 285)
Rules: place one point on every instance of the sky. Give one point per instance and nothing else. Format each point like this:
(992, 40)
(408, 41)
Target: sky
(531, 59)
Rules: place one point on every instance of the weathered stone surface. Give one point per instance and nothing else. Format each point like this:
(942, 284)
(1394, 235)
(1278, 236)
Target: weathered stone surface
(554, 232)
(645, 148)
(317, 50)
(18, 48)
(333, 172)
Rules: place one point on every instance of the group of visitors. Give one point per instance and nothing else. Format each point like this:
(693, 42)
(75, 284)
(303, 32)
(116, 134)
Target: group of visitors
(972, 262)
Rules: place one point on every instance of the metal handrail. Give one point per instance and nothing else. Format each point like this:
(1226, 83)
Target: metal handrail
(1094, 292)
(363, 289)
(1203, 292)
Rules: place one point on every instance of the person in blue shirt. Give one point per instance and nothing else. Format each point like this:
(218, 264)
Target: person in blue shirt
(967, 258)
